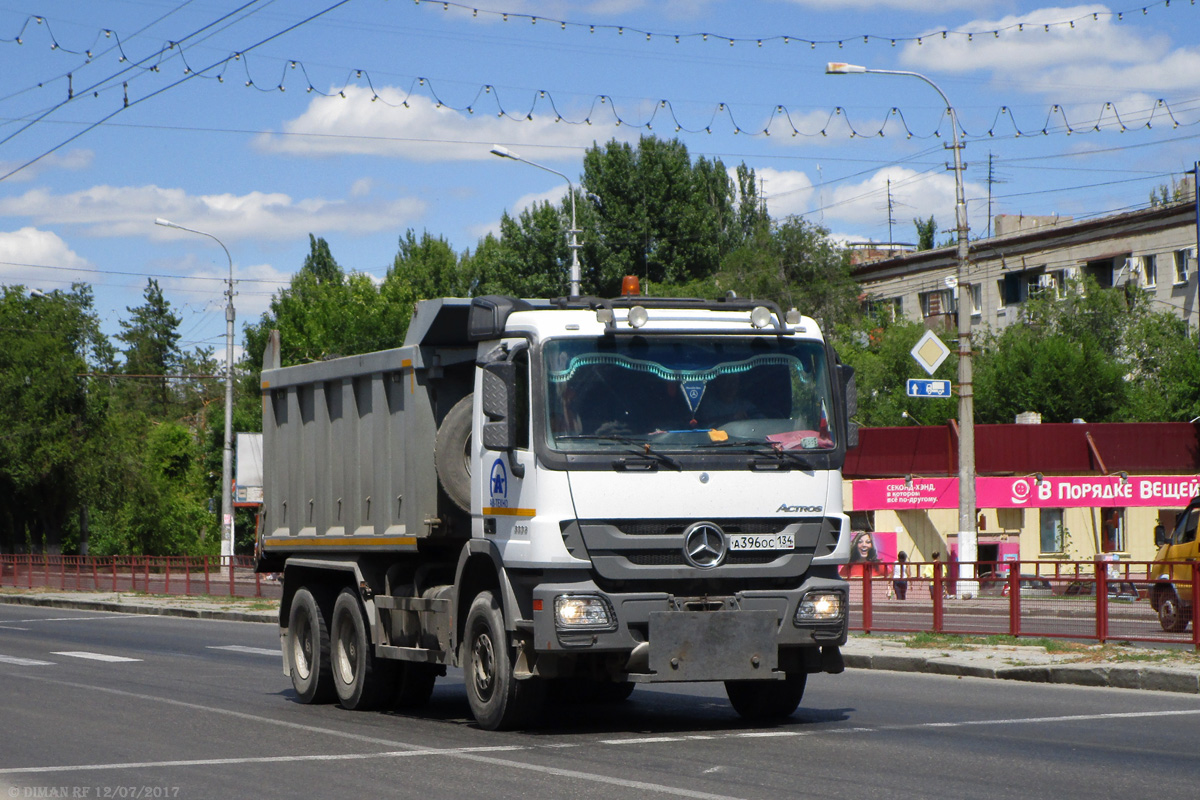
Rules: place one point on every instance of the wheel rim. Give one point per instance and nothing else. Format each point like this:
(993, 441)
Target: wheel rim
(302, 648)
(346, 654)
(1167, 612)
(483, 665)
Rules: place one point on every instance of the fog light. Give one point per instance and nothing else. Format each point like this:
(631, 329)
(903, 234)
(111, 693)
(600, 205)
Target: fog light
(575, 612)
(819, 607)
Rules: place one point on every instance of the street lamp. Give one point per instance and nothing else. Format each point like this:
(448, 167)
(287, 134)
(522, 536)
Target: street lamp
(968, 547)
(227, 454)
(504, 152)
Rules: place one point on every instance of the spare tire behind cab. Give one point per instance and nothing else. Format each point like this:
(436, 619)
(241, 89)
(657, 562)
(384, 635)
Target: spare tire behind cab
(452, 453)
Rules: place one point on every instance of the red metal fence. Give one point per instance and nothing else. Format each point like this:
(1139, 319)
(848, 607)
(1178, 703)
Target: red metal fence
(1099, 601)
(180, 575)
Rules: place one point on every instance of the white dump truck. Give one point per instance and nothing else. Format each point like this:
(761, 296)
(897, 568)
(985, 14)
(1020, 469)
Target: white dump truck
(574, 495)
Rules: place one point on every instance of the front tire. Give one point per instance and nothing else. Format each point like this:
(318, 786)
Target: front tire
(362, 681)
(1173, 616)
(498, 700)
(307, 648)
(767, 700)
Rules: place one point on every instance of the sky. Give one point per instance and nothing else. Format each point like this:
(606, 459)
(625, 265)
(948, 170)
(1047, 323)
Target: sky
(260, 122)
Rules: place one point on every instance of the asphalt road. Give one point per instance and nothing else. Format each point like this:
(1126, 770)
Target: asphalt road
(200, 709)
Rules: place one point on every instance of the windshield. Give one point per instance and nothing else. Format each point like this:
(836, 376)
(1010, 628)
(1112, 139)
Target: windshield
(680, 393)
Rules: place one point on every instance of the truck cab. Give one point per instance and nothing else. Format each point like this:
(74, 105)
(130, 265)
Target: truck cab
(1173, 571)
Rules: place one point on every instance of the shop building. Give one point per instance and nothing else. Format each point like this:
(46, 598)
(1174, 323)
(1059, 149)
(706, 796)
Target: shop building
(1071, 492)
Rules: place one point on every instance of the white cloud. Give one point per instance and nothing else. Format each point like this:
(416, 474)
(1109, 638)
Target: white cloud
(423, 131)
(72, 160)
(105, 211)
(919, 6)
(1065, 53)
(913, 195)
(30, 255)
(786, 192)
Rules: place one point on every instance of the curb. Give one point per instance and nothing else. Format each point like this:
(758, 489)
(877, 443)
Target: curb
(223, 615)
(1115, 676)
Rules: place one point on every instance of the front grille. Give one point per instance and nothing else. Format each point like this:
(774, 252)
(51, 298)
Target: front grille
(676, 559)
(669, 527)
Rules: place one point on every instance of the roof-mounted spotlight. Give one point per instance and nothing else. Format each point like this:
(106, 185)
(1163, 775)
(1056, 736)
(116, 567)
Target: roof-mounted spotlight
(760, 317)
(638, 317)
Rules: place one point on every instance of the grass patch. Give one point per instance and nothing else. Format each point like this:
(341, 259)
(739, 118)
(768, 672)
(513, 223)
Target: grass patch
(961, 641)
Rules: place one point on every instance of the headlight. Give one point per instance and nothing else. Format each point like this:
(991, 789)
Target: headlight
(819, 607)
(577, 612)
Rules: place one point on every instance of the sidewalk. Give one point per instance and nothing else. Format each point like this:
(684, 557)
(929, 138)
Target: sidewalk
(1122, 667)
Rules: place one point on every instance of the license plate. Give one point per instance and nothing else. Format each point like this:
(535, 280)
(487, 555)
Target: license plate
(775, 541)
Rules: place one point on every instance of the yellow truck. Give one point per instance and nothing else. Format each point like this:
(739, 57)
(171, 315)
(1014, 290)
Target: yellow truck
(1173, 570)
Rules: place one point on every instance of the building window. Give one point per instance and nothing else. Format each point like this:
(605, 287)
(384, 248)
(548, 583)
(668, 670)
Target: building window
(1149, 271)
(937, 303)
(1181, 266)
(1052, 530)
(976, 299)
(885, 308)
(1112, 530)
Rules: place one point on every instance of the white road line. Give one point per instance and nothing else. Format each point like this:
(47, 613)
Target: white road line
(25, 662)
(94, 656)
(237, 648)
(12, 628)
(477, 754)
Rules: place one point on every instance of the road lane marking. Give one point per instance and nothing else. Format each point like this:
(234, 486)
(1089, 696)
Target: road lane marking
(25, 662)
(478, 754)
(237, 648)
(94, 656)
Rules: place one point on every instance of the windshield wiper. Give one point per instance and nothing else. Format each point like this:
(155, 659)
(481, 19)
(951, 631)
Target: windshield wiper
(635, 447)
(778, 455)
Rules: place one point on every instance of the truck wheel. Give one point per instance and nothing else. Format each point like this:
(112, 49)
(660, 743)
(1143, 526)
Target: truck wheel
(362, 681)
(497, 699)
(308, 650)
(766, 700)
(415, 684)
(452, 453)
(1173, 616)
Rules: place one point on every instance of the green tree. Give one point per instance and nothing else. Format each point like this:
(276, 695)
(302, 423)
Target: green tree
(926, 231)
(151, 337)
(660, 216)
(880, 350)
(796, 264)
(53, 447)
(1060, 360)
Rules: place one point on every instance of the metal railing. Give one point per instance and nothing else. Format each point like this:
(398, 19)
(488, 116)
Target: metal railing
(167, 575)
(1095, 600)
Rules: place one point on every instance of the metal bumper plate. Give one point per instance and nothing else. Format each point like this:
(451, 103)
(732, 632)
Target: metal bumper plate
(713, 645)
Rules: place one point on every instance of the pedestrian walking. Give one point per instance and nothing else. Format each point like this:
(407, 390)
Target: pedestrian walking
(900, 575)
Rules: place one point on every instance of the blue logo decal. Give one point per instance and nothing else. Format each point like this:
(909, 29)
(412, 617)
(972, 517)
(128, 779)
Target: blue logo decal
(498, 483)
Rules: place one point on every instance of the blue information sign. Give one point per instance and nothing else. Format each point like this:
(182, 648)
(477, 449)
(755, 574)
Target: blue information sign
(922, 387)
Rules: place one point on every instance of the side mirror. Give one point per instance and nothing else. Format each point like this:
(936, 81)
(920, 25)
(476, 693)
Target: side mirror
(499, 405)
(1161, 536)
(849, 389)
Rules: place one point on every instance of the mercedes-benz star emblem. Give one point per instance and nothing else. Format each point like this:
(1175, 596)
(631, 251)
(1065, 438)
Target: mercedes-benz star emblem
(704, 545)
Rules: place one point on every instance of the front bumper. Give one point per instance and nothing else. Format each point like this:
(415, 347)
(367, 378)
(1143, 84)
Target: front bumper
(660, 637)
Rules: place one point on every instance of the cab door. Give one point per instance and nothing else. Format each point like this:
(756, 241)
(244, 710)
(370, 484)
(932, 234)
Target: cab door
(1182, 551)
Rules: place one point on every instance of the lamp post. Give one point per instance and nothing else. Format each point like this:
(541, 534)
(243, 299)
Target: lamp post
(227, 454)
(968, 547)
(504, 152)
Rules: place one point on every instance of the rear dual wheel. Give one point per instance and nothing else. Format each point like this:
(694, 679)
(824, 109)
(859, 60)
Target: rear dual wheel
(307, 650)
(362, 680)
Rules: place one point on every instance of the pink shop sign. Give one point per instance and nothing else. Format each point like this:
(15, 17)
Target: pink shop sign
(1109, 491)
(903, 494)
(1102, 491)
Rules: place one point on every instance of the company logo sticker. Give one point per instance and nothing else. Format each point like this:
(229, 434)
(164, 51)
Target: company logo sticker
(498, 484)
